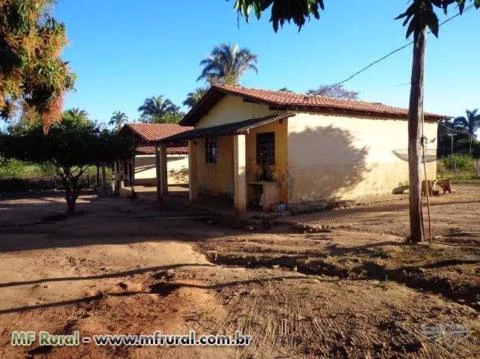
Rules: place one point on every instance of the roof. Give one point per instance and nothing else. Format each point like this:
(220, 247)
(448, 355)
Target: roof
(153, 132)
(282, 100)
(227, 129)
(150, 150)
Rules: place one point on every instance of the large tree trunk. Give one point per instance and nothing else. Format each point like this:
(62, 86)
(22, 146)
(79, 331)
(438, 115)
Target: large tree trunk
(415, 117)
(71, 199)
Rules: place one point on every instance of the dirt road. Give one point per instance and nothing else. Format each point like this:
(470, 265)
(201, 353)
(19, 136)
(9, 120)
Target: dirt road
(122, 267)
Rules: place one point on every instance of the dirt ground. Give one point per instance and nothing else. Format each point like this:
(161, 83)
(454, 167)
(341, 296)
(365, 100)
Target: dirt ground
(338, 284)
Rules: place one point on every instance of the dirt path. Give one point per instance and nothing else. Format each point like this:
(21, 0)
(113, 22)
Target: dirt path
(124, 267)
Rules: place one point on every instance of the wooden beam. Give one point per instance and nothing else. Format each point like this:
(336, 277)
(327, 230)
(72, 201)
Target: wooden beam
(158, 174)
(192, 171)
(163, 170)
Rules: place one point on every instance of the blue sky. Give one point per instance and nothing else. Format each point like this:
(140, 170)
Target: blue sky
(126, 51)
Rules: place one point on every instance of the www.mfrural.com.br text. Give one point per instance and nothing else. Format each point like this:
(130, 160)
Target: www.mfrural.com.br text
(44, 338)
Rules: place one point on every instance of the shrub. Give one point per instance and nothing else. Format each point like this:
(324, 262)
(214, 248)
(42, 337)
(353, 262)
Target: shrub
(458, 163)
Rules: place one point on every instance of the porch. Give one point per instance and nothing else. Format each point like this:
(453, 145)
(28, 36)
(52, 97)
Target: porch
(238, 168)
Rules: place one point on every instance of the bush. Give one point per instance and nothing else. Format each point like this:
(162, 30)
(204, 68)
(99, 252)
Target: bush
(13, 168)
(458, 163)
(26, 185)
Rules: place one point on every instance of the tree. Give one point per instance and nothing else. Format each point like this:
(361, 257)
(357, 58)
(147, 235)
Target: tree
(33, 77)
(77, 116)
(71, 147)
(226, 64)
(158, 110)
(468, 124)
(418, 16)
(174, 117)
(447, 138)
(118, 119)
(335, 91)
(195, 96)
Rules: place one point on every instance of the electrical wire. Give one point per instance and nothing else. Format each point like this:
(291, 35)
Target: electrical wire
(454, 130)
(391, 53)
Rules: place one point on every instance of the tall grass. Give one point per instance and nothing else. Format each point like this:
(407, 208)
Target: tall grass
(457, 167)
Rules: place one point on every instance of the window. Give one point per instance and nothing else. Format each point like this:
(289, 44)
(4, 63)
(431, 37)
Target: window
(266, 148)
(211, 150)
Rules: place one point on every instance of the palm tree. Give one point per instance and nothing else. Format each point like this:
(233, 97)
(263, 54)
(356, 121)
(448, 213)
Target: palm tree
(76, 116)
(155, 109)
(118, 119)
(227, 63)
(195, 96)
(468, 124)
(77, 113)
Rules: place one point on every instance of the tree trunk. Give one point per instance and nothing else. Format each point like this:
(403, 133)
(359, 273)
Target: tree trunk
(98, 175)
(104, 178)
(71, 199)
(415, 117)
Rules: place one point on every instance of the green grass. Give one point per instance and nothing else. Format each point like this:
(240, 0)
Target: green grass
(23, 170)
(458, 168)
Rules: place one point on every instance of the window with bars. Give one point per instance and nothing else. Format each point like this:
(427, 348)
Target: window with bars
(266, 148)
(211, 150)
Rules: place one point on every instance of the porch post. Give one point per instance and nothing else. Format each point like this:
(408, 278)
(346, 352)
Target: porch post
(115, 178)
(192, 171)
(132, 174)
(239, 176)
(121, 172)
(158, 172)
(163, 170)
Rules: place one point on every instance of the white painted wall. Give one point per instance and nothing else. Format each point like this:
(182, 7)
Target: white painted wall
(347, 157)
(145, 171)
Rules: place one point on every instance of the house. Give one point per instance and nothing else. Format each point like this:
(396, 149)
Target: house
(260, 148)
(141, 170)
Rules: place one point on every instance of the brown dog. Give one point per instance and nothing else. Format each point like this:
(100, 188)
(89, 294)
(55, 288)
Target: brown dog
(445, 184)
(433, 187)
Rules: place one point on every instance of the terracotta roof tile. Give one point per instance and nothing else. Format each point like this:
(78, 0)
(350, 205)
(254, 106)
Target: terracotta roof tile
(301, 100)
(298, 102)
(153, 132)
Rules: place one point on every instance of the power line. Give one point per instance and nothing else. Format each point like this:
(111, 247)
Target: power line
(468, 8)
(454, 130)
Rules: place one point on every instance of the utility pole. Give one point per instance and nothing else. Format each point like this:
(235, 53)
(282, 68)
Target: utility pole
(451, 135)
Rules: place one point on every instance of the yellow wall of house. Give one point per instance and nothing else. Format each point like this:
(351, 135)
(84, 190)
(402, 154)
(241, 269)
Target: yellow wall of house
(279, 170)
(345, 157)
(215, 179)
(232, 109)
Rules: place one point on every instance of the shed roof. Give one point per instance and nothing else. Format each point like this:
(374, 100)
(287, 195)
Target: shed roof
(153, 132)
(229, 129)
(282, 100)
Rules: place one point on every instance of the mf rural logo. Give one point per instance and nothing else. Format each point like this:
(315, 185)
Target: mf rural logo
(448, 335)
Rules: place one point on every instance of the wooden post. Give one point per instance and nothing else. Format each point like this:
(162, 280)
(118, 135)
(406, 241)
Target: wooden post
(158, 174)
(163, 170)
(115, 178)
(132, 175)
(104, 178)
(239, 176)
(121, 171)
(192, 171)
(415, 117)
